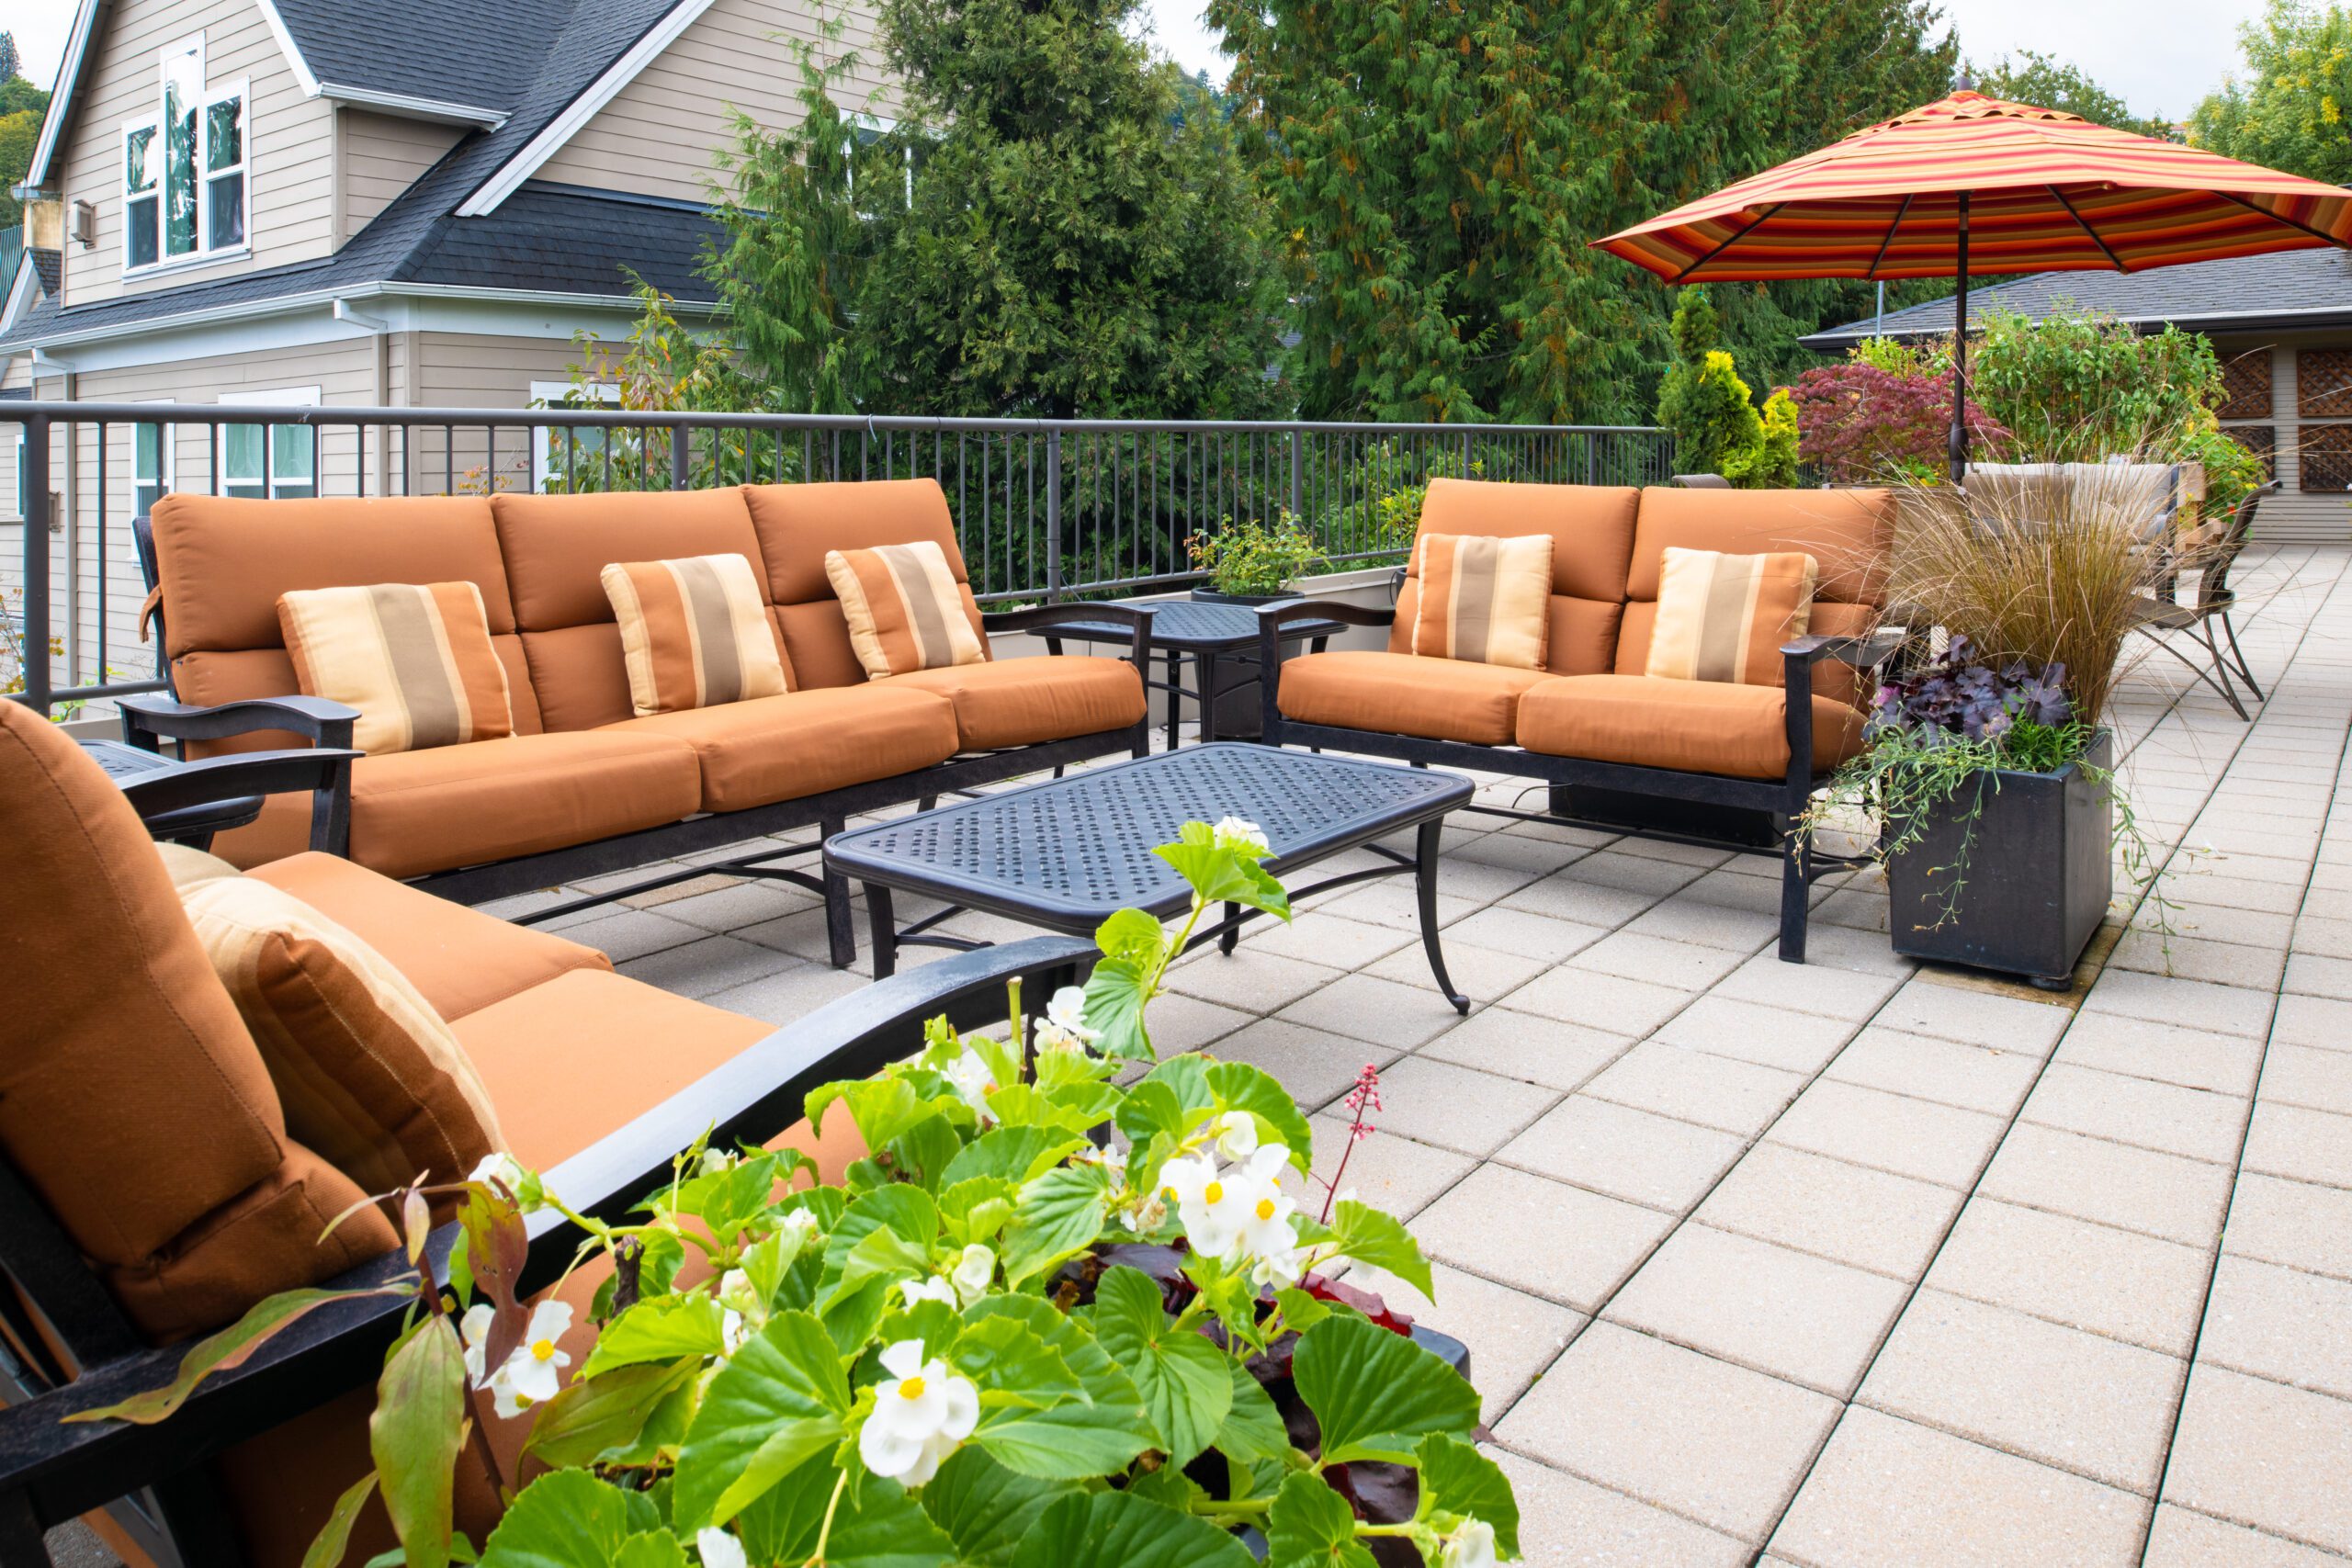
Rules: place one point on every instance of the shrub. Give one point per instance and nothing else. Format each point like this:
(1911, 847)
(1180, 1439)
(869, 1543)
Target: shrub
(1251, 558)
(1863, 423)
(1712, 414)
(2082, 387)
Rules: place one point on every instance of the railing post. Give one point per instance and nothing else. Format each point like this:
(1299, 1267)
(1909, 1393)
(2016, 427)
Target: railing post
(1054, 516)
(35, 479)
(682, 452)
(1297, 471)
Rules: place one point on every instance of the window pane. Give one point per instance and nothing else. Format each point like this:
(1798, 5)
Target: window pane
(141, 244)
(147, 450)
(225, 223)
(143, 497)
(241, 448)
(291, 453)
(181, 91)
(138, 158)
(224, 134)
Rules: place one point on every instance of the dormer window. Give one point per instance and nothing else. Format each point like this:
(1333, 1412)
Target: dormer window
(184, 195)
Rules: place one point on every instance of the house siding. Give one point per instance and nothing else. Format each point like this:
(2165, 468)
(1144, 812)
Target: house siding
(378, 157)
(658, 135)
(290, 151)
(2293, 515)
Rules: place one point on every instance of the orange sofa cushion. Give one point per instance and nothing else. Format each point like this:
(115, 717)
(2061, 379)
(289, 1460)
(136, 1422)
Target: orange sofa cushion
(1591, 528)
(1020, 701)
(1847, 532)
(556, 546)
(415, 812)
(1692, 726)
(1403, 693)
(802, 743)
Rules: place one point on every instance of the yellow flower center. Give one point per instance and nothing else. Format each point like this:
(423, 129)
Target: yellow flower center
(1265, 1208)
(542, 1349)
(1213, 1192)
(910, 1389)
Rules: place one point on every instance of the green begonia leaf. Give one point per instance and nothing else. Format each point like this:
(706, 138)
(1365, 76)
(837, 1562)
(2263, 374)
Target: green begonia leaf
(1010, 1153)
(1376, 1395)
(1112, 1529)
(415, 1436)
(1114, 1001)
(1188, 1075)
(1058, 1214)
(1132, 935)
(1012, 1369)
(1239, 1086)
(1312, 1527)
(875, 1525)
(985, 1508)
(1457, 1479)
(1220, 877)
(567, 1519)
(977, 1208)
(1253, 1429)
(1151, 1108)
(1370, 1237)
(661, 1329)
(594, 1416)
(1076, 1439)
(907, 1213)
(780, 1400)
(1183, 1377)
(655, 1549)
(923, 1153)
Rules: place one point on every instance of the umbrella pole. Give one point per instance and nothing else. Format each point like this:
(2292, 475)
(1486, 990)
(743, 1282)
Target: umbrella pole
(1957, 444)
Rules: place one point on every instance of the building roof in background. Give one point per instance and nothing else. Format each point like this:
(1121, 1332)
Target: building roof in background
(2283, 290)
(483, 54)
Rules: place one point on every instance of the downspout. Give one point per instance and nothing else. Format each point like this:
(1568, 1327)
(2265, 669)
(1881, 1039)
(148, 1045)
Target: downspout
(379, 439)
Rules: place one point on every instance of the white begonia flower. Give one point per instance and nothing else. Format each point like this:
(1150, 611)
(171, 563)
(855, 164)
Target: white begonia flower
(1237, 1135)
(731, 1332)
(473, 1332)
(502, 1168)
(735, 1289)
(974, 1272)
(919, 1417)
(533, 1373)
(718, 1159)
(719, 1550)
(1471, 1546)
(1279, 1268)
(935, 1289)
(1216, 1206)
(801, 1223)
(1064, 1026)
(969, 1076)
(1233, 833)
(1148, 1215)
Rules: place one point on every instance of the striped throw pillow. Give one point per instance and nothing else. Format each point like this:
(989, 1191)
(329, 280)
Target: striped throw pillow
(905, 613)
(1725, 617)
(1484, 598)
(415, 659)
(693, 633)
(369, 1074)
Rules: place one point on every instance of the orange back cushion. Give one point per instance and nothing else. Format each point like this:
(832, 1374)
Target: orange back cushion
(1592, 539)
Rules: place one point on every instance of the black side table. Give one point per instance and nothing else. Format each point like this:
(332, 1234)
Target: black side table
(1206, 633)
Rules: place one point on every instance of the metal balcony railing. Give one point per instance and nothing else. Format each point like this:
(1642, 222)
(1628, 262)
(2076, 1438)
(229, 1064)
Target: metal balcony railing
(1044, 509)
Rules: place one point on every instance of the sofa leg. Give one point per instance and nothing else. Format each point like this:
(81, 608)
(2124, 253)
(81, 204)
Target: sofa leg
(1558, 801)
(1795, 890)
(841, 929)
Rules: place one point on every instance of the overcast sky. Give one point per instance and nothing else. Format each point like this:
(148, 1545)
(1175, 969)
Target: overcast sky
(2160, 55)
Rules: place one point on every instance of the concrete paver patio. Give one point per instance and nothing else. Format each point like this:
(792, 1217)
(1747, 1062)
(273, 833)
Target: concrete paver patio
(1853, 1265)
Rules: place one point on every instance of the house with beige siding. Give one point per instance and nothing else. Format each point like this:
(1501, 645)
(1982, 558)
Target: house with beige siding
(2281, 325)
(403, 203)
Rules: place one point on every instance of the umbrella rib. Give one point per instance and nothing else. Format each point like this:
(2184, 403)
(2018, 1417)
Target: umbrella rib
(1731, 239)
(2279, 217)
(1884, 245)
(2112, 259)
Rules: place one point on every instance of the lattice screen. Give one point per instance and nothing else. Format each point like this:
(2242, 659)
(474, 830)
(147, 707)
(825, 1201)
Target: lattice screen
(2325, 451)
(2323, 382)
(2245, 384)
(2262, 440)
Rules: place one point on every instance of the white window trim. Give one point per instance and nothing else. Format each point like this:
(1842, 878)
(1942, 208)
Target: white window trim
(279, 397)
(166, 456)
(206, 253)
(553, 394)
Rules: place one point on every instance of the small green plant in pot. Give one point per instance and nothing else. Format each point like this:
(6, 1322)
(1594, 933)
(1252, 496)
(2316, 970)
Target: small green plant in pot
(1253, 562)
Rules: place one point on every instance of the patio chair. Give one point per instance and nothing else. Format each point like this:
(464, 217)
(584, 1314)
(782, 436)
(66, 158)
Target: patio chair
(151, 1191)
(2161, 618)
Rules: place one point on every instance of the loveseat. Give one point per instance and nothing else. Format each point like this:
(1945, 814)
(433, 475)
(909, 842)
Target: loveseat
(153, 1188)
(583, 788)
(1727, 760)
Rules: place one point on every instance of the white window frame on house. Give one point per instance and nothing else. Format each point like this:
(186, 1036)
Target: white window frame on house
(159, 482)
(586, 443)
(273, 478)
(216, 230)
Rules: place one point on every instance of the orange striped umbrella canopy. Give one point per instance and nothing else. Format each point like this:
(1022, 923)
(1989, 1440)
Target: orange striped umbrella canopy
(2041, 191)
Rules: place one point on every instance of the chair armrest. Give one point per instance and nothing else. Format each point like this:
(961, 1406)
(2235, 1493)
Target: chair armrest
(238, 773)
(68, 1470)
(147, 718)
(1866, 652)
(1797, 659)
(1042, 618)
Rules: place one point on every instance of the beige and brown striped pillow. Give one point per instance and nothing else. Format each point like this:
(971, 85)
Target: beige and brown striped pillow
(1484, 598)
(905, 613)
(693, 633)
(1725, 617)
(369, 1074)
(415, 659)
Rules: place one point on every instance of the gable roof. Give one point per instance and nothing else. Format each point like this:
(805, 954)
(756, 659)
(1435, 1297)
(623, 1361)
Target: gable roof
(2285, 289)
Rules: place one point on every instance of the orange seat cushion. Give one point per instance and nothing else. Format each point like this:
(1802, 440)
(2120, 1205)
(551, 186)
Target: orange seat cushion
(460, 959)
(1406, 694)
(803, 743)
(1020, 701)
(415, 812)
(1691, 727)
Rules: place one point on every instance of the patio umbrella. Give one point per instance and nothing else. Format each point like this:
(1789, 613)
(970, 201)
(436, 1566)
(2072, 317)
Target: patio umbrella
(1972, 184)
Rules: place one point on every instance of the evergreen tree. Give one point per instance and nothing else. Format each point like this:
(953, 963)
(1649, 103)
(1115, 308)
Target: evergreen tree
(10, 62)
(2291, 116)
(2046, 82)
(1717, 427)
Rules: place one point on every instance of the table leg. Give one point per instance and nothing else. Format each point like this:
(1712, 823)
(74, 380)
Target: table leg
(885, 927)
(1208, 700)
(1175, 697)
(1425, 884)
(840, 927)
(1232, 933)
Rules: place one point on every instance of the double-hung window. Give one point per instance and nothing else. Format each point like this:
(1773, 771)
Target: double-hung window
(185, 191)
(568, 458)
(151, 466)
(270, 461)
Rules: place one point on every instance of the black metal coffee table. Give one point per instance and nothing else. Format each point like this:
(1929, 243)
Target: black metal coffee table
(1066, 854)
(1205, 632)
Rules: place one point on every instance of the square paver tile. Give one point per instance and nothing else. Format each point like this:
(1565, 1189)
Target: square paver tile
(1331, 940)
(1652, 874)
(2193, 1058)
(1890, 1494)
(1456, 1107)
(1569, 896)
(1694, 1086)
(1981, 1018)
(2300, 1144)
(1950, 1072)
(705, 967)
(1391, 1173)
(2294, 1222)
(1522, 933)
(1247, 979)
(1482, 974)
(1316, 1067)
(2314, 1020)
(1790, 1313)
(1713, 1442)
(2166, 1117)
(2231, 1009)
(2184, 1539)
(1512, 1334)
(1607, 1002)
(2094, 1178)
(1890, 1132)
(1392, 902)
(1871, 1219)
(2266, 1455)
(1562, 1243)
(1686, 919)
(2059, 1396)
(2315, 974)
(2188, 957)
(2116, 1282)
(1660, 960)
(1179, 1022)
(1844, 994)
(1626, 1152)
(2280, 1324)
(1521, 1045)
(1769, 1036)
(1567, 1523)
(1382, 1012)
(2300, 1075)
(634, 933)
(790, 990)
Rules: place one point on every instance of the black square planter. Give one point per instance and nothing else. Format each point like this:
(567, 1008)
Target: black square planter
(2035, 885)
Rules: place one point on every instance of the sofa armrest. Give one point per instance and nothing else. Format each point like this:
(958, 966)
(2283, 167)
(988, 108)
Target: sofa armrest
(1865, 653)
(324, 770)
(1797, 659)
(1043, 618)
(58, 1470)
(147, 719)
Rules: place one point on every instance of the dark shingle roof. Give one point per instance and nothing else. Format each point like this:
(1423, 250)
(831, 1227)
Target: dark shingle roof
(2286, 289)
(47, 267)
(482, 53)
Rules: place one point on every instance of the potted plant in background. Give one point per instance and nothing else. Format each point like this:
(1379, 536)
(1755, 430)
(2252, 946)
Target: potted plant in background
(1253, 562)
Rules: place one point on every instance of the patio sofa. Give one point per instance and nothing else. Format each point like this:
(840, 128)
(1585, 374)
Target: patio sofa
(153, 1190)
(583, 788)
(1681, 758)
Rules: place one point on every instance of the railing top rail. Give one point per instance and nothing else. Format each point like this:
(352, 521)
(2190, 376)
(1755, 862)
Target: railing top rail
(19, 412)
